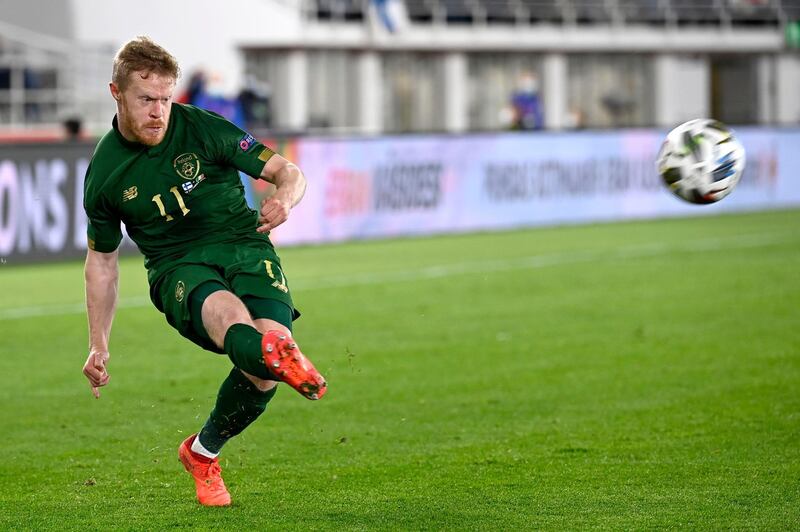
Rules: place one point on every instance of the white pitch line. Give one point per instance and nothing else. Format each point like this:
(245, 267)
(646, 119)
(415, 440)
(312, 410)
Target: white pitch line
(448, 270)
(65, 310)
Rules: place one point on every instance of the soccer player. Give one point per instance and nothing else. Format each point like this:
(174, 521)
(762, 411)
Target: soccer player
(170, 173)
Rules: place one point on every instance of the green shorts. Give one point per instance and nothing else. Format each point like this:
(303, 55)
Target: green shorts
(249, 270)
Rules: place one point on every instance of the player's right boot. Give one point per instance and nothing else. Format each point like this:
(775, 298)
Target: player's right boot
(287, 363)
(211, 490)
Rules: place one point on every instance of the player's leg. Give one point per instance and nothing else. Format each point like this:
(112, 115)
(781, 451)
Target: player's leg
(178, 294)
(264, 351)
(219, 321)
(200, 304)
(249, 341)
(257, 277)
(197, 301)
(227, 322)
(243, 397)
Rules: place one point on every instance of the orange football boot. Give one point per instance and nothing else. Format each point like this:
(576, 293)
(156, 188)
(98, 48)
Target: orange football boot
(287, 363)
(206, 472)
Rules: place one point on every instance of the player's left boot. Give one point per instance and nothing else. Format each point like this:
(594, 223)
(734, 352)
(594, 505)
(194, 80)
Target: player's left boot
(207, 474)
(285, 361)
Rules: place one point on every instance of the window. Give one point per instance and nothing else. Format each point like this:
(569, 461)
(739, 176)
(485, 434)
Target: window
(734, 89)
(610, 90)
(412, 92)
(493, 79)
(28, 95)
(332, 89)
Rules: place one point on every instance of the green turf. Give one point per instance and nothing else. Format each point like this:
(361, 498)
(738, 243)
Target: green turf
(622, 376)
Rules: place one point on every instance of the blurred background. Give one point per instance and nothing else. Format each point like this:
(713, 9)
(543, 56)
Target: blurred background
(586, 375)
(403, 66)
(402, 108)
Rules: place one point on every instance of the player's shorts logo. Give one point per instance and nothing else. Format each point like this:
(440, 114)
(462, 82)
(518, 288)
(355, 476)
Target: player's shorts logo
(187, 165)
(180, 291)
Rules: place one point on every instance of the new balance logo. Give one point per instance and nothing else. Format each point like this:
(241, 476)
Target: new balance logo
(129, 193)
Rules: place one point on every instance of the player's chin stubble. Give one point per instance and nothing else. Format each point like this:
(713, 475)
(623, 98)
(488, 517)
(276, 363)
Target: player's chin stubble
(148, 139)
(140, 133)
(145, 136)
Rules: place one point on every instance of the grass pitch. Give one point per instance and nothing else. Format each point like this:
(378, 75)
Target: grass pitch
(621, 376)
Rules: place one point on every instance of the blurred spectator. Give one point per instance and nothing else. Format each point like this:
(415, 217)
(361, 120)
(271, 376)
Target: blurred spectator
(197, 83)
(388, 15)
(208, 92)
(576, 118)
(745, 7)
(526, 105)
(256, 101)
(73, 128)
(618, 105)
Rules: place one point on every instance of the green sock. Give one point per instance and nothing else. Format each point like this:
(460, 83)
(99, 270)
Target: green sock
(243, 345)
(239, 403)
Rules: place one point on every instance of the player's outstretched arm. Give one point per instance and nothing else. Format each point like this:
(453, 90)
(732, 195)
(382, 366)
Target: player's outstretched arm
(290, 185)
(102, 281)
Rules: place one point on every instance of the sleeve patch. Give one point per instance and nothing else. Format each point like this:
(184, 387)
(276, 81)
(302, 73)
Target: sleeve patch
(246, 141)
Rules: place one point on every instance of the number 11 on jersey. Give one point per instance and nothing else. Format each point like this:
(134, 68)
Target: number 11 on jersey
(163, 210)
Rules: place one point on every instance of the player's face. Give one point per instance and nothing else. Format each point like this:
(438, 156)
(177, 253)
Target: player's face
(143, 107)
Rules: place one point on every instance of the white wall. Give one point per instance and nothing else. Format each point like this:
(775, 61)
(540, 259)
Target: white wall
(44, 17)
(555, 91)
(456, 105)
(682, 88)
(208, 34)
(787, 89)
(199, 33)
(370, 96)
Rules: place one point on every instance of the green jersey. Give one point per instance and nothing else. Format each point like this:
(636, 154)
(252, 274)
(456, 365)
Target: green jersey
(175, 197)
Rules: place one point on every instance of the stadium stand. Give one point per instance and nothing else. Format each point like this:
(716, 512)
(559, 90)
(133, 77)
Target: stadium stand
(543, 11)
(642, 12)
(461, 11)
(421, 11)
(667, 12)
(347, 10)
(46, 80)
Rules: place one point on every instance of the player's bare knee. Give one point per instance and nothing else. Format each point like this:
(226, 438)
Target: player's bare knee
(223, 309)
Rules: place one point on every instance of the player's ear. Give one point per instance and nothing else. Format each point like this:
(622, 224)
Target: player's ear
(115, 92)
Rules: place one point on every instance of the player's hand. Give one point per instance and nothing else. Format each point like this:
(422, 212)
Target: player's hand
(95, 371)
(274, 212)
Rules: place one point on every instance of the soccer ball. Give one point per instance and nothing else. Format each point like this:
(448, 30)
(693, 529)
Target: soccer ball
(701, 161)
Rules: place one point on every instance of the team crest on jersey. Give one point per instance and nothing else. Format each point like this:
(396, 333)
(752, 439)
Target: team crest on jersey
(187, 165)
(180, 291)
